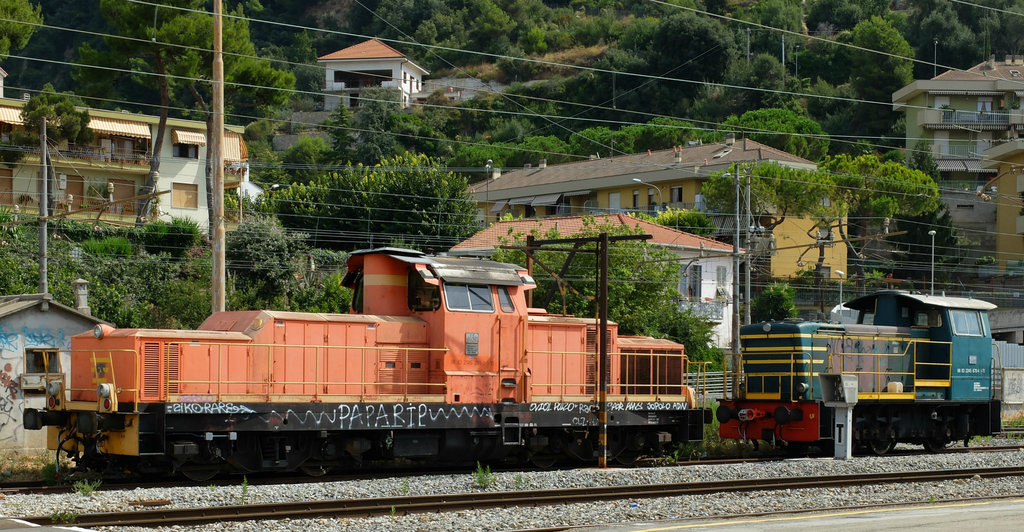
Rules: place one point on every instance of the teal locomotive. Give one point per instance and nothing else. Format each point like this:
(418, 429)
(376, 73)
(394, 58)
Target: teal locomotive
(923, 366)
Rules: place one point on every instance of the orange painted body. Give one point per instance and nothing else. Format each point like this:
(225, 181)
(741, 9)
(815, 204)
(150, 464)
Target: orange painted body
(387, 353)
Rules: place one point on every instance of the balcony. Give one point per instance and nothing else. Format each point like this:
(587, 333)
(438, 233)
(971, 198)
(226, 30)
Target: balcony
(713, 310)
(953, 119)
(128, 159)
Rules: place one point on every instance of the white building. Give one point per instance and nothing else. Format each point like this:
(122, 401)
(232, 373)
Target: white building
(368, 64)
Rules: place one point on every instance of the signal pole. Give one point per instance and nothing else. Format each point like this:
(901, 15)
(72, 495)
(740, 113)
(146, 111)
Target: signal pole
(44, 200)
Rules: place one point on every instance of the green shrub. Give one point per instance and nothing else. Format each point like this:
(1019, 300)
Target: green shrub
(115, 246)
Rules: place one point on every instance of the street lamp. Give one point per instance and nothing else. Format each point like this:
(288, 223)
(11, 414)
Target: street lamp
(840, 273)
(935, 58)
(932, 234)
(638, 180)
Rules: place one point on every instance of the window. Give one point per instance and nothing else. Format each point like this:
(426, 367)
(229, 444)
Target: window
(677, 194)
(42, 361)
(469, 298)
(184, 196)
(190, 151)
(505, 300)
(422, 296)
(966, 322)
(636, 199)
(650, 196)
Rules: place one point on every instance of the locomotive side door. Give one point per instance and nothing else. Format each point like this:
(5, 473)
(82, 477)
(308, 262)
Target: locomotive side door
(509, 337)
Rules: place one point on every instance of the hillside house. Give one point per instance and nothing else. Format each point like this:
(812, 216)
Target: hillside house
(368, 64)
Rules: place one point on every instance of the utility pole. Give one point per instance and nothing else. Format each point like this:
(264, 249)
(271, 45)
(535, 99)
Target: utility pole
(746, 256)
(44, 198)
(217, 153)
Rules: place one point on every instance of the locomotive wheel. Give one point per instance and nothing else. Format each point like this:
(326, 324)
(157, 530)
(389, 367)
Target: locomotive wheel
(934, 444)
(882, 446)
(314, 470)
(201, 474)
(543, 460)
(627, 457)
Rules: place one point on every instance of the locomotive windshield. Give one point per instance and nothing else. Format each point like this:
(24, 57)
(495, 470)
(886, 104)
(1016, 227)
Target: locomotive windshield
(422, 295)
(966, 322)
(468, 297)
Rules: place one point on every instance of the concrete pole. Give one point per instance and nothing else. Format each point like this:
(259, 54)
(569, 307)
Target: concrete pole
(217, 153)
(746, 256)
(736, 267)
(44, 198)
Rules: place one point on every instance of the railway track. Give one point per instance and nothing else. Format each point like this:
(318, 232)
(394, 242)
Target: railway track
(455, 502)
(40, 488)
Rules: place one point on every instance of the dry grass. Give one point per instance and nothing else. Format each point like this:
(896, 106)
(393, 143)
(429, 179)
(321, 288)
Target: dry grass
(21, 466)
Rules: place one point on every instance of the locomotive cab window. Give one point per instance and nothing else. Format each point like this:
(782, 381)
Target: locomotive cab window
(468, 297)
(505, 300)
(928, 318)
(422, 296)
(966, 322)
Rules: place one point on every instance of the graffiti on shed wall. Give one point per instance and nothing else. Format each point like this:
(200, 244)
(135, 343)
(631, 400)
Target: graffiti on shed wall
(12, 345)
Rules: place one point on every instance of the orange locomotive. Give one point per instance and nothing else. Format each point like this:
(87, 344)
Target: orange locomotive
(440, 361)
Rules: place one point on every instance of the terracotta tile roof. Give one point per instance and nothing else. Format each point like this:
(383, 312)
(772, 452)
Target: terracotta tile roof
(637, 164)
(371, 49)
(567, 226)
(986, 70)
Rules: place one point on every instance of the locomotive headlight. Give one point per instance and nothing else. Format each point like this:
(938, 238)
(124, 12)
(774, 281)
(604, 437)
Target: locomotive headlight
(802, 387)
(97, 331)
(767, 327)
(52, 387)
(104, 390)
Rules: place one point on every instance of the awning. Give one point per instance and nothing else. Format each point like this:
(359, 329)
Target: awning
(577, 193)
(116, 126)
(234, 147)
(974, 165)
(521, 201)
(951, 165)
(185, 136)
(11, 115)
(547, 199)
(966, 93)
(498, 206)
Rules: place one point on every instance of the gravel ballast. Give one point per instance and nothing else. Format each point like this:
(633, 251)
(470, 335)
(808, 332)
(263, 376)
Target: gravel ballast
(20, 506)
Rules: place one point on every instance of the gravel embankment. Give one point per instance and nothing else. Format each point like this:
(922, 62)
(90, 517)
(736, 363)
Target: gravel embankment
(579, 514)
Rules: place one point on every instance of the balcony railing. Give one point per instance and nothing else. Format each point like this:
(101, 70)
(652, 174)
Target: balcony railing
(92, 153)
(712, 310)
(953, 117)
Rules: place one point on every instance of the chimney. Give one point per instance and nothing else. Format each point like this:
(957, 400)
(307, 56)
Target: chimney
(495, 173)
(81, 288)
(1008, 59)
(679, 155)
(543, 163)
(25, 96)
(730, 139)
(1018, 59)
(991, 61)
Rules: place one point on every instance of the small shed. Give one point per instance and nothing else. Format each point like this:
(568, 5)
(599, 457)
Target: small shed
(28, 323)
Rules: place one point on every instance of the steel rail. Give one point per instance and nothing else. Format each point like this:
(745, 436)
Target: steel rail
(464, 501)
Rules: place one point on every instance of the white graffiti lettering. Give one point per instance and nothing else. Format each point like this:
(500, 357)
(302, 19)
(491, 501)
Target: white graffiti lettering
(208, 408)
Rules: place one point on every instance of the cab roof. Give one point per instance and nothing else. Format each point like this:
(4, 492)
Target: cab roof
(868, 302)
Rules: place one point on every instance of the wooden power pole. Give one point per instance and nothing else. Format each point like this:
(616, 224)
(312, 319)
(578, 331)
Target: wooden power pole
(217, 153)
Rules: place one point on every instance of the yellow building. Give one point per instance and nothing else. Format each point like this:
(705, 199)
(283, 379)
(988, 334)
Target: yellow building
(646, 182)
(1004, 190)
